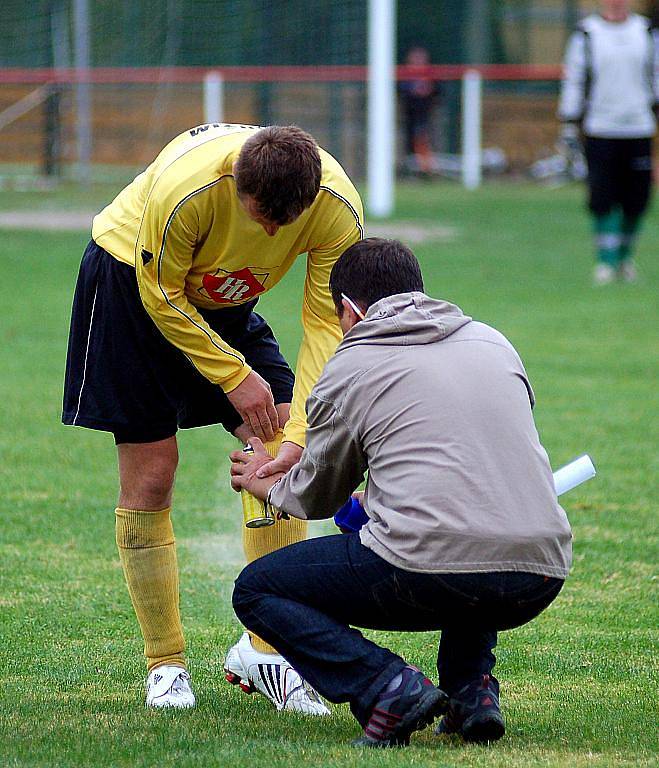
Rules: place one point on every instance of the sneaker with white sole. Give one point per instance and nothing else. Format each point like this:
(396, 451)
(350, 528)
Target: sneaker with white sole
(627, 271)
(169, 686)
(603, 274)
(271, 675)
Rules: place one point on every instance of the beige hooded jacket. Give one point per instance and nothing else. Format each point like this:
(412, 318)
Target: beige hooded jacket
(437, 408)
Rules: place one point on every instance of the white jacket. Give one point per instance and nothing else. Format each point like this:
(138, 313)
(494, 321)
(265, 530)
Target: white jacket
(609, 82)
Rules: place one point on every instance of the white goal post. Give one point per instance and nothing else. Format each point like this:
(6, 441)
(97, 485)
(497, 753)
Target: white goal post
(381, 132)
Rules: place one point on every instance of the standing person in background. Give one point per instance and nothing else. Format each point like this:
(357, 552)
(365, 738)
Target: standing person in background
(164, 336)
(609, 93)
(418, 96)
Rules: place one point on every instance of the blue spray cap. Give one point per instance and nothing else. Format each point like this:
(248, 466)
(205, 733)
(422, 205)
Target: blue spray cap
(351, 517)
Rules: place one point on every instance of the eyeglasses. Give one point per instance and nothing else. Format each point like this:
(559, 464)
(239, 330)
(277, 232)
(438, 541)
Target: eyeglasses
(354, 307)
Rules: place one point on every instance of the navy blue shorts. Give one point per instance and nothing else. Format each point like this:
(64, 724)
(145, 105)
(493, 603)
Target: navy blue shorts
(124, 377)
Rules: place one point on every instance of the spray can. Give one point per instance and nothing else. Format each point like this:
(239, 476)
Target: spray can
(256, 513)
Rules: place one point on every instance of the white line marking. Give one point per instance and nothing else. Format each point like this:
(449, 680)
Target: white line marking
(84, 370)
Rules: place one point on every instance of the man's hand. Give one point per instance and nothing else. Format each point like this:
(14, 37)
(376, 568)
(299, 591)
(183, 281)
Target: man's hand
(253, 400)
(244, 467)
(289, 454)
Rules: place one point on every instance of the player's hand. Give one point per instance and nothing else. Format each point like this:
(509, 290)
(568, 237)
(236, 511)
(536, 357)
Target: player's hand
(289, 454)
(253, 400)
(244, 467)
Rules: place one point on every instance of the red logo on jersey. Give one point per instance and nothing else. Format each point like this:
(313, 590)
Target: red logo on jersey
(234, 287)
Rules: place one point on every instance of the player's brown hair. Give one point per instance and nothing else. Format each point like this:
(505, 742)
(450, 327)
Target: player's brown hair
(279, 167)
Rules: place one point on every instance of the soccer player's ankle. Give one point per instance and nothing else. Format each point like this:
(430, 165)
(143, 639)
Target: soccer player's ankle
(260, 646)
(176, 660)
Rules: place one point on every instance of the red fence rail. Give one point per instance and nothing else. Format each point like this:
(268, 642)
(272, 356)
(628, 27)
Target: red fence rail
(281, 74)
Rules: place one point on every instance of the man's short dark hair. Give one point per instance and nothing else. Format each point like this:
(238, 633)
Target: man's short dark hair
(372, 269)
(280, 168)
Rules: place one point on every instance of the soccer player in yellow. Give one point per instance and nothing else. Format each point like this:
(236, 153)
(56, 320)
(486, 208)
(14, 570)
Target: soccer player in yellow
(164, 336)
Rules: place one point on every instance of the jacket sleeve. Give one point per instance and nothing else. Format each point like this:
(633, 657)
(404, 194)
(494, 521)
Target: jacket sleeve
(330, 469)
(573, 87)
(320, 324)
(166, 246)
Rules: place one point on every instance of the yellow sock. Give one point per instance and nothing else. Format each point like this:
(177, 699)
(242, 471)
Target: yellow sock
(148, 555)
(261, 541)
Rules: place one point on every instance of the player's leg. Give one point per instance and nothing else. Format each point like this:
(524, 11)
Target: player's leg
(205, 403)
(252, 663)
(145, 539)
(258, 542)
(409, 126)
(422, 143)
(603, 206)
(248, 332)
(147, 550)
(636, 189)
(117, 380)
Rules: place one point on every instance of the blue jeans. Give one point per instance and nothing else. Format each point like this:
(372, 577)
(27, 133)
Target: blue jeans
(306, 599)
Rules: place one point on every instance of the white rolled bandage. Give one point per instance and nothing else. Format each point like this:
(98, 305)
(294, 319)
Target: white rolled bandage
(576, 472)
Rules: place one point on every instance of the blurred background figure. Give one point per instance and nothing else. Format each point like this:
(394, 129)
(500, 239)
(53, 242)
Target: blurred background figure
(608, 95)
(419, 96)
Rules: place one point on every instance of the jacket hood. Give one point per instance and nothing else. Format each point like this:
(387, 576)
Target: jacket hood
(406, 318)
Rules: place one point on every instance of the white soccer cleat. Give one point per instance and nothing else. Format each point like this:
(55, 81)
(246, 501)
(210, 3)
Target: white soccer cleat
(169, 686)
(627, 271)
(271, 675)
(603, 274)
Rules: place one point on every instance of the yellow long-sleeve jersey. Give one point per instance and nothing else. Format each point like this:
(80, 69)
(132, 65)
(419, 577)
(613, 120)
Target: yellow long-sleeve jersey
(181, 225)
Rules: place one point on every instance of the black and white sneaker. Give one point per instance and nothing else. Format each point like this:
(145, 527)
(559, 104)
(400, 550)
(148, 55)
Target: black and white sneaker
(271, 675)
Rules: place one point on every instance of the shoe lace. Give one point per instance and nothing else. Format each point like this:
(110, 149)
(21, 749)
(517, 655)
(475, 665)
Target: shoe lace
(311, 692)
(302, 686)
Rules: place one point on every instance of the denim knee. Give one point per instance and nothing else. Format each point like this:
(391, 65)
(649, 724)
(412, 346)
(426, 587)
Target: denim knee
(244, 590)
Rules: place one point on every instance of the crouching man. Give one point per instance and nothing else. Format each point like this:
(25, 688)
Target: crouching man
(465, 534)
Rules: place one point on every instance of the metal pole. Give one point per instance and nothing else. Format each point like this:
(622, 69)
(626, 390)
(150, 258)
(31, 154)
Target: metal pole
(81, 56)
(472, 86)
(381, 106)
(571, 15)
(60, 57)
(479, 32)
(213, 98)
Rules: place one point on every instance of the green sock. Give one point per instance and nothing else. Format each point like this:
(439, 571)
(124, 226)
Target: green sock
(630, 227)
(608, 237)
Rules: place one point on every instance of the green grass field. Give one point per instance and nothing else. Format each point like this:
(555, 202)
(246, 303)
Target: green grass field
(579, 685)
